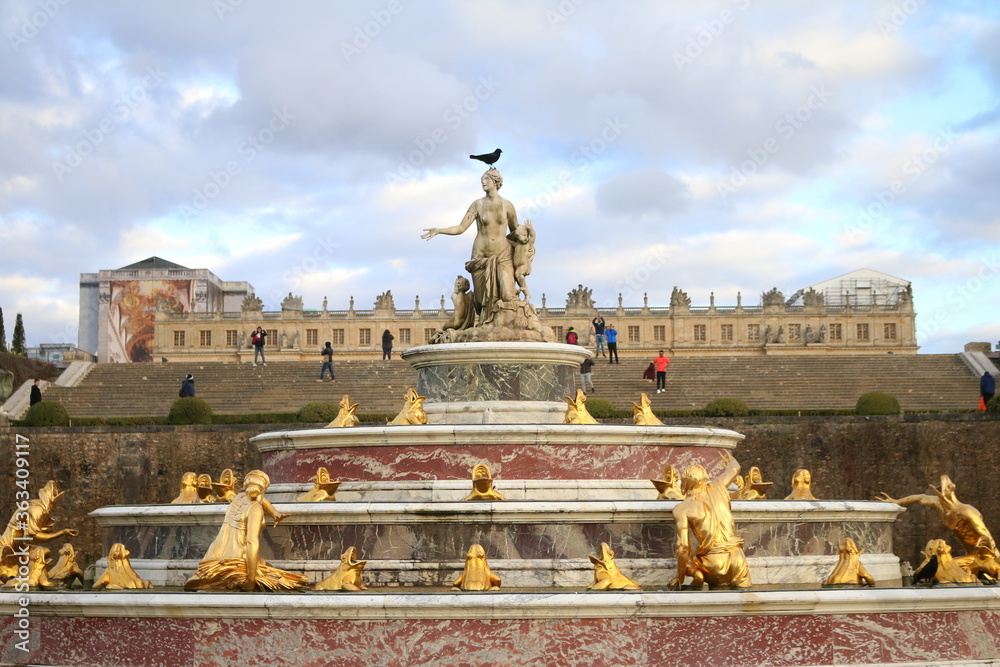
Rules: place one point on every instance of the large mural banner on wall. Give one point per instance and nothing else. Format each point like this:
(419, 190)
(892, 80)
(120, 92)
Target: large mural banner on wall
(132, 312)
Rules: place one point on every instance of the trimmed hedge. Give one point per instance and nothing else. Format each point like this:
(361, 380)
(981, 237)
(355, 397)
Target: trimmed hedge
(317, 412)
(602, 408)
(726, 407)
(47, 413)
(994, 404)
(189, 410)
(877, 403)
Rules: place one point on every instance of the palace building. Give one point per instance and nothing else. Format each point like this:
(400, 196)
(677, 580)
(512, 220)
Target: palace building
(156, 310)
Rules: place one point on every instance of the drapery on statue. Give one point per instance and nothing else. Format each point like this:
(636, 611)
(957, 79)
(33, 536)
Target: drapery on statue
(495, 267)
(28, 528)
(964, 521)
(233, 560)
(706, 511)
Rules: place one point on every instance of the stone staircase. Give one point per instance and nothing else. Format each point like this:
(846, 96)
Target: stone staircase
(926, 382)
(936, 382)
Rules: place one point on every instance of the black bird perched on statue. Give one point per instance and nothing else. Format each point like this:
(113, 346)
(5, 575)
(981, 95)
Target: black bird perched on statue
(488, 158)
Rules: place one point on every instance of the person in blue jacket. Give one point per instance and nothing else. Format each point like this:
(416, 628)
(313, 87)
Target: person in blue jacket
(987, 387)
(612, 335)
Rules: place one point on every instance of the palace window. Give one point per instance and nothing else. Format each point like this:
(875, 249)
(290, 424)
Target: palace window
(726, 333)
(364, 336)
(836, 332)
(753, 332)
(559, 334)
(863, 332)
(429, 335)
(889, 328)
(404, 336)
(633, 333)
(272, 337)
(794, 332)
(205, 338)
(312, 336)
(178, 339)
(659, 333)
(338, 337)
(700, 332)
(232, 338)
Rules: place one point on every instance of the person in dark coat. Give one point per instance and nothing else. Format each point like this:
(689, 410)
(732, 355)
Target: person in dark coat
(187, 387)
(36, 393)
(987, 387)
(327, 355)
(387, 339)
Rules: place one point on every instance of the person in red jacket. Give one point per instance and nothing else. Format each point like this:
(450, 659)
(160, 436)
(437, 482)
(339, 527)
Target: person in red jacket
(661, 372)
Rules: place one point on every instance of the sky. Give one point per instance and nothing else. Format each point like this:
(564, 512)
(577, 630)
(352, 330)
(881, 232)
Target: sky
(720, 146)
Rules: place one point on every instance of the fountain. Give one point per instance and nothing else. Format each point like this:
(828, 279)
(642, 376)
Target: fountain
(546, 496)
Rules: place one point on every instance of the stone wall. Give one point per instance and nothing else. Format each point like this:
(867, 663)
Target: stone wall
(850, 459)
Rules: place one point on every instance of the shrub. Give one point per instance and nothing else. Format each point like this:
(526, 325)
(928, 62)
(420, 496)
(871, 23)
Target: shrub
(190, 411)
(601, 408)
(47, 413)
(726, 407)
(994, 404)
(317, 412)
(877, 403)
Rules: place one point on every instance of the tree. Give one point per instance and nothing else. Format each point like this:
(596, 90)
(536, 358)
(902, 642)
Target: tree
(17, 342)
(3, 334)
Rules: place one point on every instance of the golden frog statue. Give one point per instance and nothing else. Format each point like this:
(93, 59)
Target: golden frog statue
(346, 416)
(120, 575)
(66, 569)
(576, 410)
(607, 576)
(482, 484)
(347, 576)
(189, 489)
(849, 571)
(642, 412)
(668, 488)
(412, 413)
(476, 576)
(323, 488)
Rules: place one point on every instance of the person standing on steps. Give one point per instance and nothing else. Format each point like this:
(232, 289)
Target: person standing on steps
(327, 363)
(571, 337)
(257, 339)
(662, 363)
(612, 335)
(987, 388)
(387, 339)
(599, 328)
(586, 374)
(36, 393)
(187, 387)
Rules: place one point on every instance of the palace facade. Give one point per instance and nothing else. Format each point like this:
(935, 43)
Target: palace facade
(189, 315)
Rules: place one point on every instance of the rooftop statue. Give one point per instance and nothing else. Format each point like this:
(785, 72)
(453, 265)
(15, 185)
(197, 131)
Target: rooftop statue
(28, 528)
(233, 560)
(581, 298)
(706, 511)
(495, 266)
